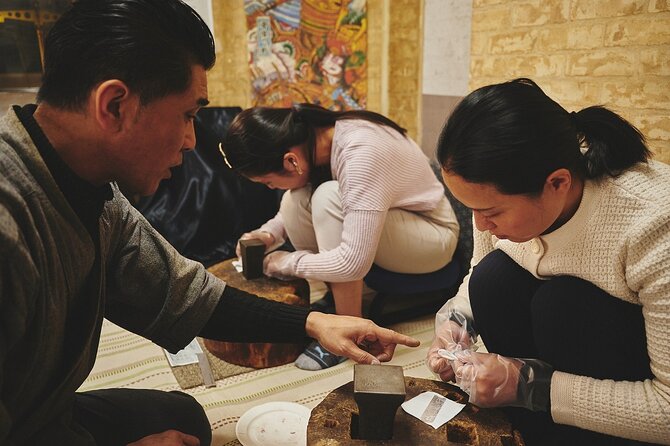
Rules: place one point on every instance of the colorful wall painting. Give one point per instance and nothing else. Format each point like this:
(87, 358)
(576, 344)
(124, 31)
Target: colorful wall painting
(308, 51)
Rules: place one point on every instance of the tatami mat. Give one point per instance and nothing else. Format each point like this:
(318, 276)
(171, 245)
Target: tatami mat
(127, 360)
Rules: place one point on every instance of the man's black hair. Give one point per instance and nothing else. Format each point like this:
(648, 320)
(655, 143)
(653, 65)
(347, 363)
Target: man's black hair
(151, 45)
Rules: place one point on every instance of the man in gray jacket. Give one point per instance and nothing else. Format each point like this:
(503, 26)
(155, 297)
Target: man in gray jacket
(123, 81)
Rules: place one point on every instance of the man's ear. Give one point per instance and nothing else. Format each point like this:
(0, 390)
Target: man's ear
(114, 104)
(559, 181)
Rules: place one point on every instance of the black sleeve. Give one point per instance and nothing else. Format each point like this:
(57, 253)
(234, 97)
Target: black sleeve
(243, 317)
(534, 387)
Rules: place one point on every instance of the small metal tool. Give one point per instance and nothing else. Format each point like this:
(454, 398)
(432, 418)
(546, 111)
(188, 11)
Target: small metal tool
(205, 370)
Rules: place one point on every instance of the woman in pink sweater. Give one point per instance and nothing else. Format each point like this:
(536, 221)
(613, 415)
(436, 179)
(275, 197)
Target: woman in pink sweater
(359, 191)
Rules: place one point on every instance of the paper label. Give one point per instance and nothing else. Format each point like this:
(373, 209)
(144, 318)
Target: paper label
(432, 409)
(188, 355)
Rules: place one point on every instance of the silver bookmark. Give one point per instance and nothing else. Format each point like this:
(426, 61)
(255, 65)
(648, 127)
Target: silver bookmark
(433, 408)
(205, 370)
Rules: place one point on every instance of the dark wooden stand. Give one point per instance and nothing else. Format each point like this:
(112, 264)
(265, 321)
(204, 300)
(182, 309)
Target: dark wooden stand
(330, 422)
(259, 355)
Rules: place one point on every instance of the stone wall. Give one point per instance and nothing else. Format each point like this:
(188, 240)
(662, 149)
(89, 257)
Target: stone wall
(582, 52)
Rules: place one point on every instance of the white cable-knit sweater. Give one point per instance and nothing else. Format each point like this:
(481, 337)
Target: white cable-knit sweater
(377, 169)
(619, 240)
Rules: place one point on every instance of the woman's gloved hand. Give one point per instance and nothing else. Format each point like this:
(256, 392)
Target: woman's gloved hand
(455, 334)
(281, 264)
(264, 236)
(493, 380)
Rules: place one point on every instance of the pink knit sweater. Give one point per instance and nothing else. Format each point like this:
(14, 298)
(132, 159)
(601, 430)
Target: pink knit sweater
(377, 169)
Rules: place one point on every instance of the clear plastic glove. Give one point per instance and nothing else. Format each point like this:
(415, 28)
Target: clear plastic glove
(453, 335)
(264, 236)
(281, 264)
(492, 380)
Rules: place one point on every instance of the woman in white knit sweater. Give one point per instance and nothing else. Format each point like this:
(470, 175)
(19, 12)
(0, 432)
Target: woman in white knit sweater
(359, 191)
(570, 284)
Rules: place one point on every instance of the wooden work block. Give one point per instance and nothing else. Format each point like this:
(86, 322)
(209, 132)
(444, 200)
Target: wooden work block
(259, 354)
(331, 421)
(252, 252)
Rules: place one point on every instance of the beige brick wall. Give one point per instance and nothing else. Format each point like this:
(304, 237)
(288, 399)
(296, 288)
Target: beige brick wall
(582, 52)
(394, 59)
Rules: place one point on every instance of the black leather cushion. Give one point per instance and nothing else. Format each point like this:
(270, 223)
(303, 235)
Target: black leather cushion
(404, 296)
(384, 281)
(205, 207)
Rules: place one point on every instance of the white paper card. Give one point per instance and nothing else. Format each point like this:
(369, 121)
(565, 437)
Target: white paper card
(188, 355)
(238, 265)
(432, 409)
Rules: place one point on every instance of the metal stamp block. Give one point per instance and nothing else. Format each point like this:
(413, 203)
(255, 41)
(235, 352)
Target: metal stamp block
(252, 252)
(378, 391)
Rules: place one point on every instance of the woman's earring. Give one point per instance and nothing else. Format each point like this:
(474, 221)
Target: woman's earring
(297, 168)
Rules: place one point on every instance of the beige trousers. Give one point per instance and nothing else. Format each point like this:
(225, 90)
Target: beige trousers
(411, 242)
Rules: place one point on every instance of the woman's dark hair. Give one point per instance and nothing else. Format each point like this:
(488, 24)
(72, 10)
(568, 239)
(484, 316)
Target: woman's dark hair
(512, 135)
(151, 45)
(258, 137)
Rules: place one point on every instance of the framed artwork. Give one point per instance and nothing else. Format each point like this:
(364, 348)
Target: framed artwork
(308, 51)
(23, 25)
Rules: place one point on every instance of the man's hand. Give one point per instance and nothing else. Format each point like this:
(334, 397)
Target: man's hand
(167, 438)
(359, 339)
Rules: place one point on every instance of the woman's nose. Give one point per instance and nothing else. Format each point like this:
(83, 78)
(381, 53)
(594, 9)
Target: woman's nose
(482, 223)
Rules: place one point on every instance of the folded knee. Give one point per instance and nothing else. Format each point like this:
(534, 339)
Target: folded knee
(195, 421)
